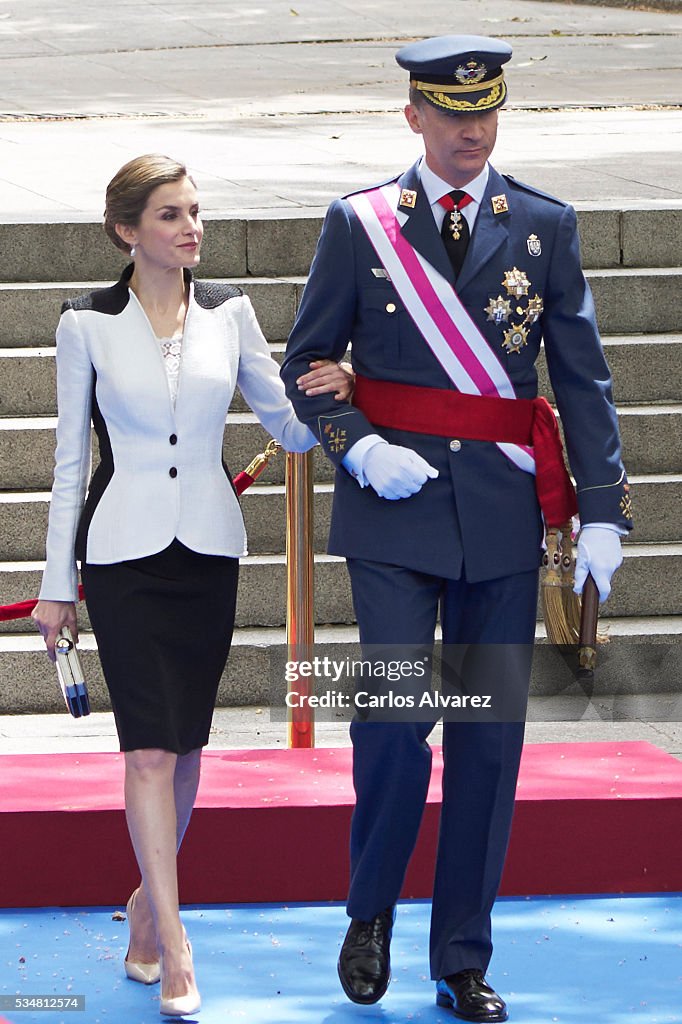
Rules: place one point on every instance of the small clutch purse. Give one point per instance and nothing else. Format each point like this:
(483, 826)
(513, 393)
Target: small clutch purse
(70, 674)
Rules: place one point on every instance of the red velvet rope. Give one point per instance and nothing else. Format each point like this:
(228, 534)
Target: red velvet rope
(23, 609)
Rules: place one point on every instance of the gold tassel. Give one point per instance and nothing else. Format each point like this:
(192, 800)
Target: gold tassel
(562, 607)
(553, 607)
(571, 601)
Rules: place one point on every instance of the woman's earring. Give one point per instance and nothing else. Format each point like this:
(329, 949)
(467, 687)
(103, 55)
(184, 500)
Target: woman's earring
(132, 252)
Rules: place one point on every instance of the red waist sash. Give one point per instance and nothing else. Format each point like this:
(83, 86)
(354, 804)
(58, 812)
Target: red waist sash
(446, 413)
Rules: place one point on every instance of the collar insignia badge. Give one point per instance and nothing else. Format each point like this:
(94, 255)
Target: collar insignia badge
(500, 204)
(408, 198)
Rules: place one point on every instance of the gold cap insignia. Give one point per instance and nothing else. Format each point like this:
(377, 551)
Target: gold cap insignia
(471, 73)
(408, 197)
(500, 204)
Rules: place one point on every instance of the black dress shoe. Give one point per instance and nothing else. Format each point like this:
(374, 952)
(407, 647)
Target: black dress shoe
(365, 962)
(470, 997)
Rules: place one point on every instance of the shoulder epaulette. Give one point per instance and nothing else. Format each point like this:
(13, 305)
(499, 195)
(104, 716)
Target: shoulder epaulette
(371, 188)
(533, 191)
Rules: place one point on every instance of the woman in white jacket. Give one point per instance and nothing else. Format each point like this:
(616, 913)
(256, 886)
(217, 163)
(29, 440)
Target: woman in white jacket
(153, 362)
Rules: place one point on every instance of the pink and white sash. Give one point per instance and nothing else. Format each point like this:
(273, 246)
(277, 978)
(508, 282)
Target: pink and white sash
(433, 304)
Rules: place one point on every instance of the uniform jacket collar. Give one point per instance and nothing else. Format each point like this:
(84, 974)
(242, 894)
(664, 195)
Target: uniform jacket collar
(490, 230)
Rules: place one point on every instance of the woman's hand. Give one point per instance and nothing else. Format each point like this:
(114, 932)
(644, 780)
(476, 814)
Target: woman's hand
(50, 616)
(326, 376)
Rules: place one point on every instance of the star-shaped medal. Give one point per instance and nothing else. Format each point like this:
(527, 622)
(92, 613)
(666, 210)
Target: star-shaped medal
(515, 338)
(498, 310)
(516, 282)
(535, 309)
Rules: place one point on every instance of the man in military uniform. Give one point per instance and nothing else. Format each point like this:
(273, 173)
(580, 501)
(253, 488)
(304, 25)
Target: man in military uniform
(445, 280)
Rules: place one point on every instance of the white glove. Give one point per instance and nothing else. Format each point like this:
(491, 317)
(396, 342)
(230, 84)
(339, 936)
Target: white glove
(599, 552)
(396, 472)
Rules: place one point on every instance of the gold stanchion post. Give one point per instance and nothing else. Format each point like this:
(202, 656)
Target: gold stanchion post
(300, 621)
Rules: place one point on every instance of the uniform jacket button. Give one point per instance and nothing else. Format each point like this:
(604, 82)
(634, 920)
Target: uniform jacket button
(173, 439)
(455, 445)
(173, 472)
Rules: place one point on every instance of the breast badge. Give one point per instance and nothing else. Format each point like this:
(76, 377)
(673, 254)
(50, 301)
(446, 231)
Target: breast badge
(534, 245)
(499, 310)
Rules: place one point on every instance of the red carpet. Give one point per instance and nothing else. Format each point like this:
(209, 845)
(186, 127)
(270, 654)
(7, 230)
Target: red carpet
(272, 826)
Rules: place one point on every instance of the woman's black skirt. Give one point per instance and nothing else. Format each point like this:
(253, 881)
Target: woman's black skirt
(163, 626)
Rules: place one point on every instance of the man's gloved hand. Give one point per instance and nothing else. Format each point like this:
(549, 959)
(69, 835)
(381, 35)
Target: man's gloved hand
(599, 552)
(396, 472)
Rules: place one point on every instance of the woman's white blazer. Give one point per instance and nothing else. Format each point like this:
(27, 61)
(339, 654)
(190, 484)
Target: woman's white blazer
(161, 473)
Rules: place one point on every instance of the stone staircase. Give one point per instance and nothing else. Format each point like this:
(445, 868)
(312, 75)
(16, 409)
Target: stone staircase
(630, 256)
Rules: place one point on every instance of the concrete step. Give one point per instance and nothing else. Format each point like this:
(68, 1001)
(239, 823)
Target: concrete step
(23, 520)
(636, 301)
(648, 583)
(284, 243)
(23, 517)
(31, 311)
(645, 368)
(244, 438)
(650, 436)
(642, 660)
(628, 301)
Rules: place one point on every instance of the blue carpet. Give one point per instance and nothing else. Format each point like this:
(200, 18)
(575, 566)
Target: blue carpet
(573, 960)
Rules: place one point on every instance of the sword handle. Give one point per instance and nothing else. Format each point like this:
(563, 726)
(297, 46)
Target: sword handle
(587, 639)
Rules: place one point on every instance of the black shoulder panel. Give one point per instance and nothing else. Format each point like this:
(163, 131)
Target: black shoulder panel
(112, 300)
(210, 294)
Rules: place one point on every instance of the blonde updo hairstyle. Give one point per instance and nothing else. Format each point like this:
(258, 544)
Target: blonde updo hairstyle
(130, 188)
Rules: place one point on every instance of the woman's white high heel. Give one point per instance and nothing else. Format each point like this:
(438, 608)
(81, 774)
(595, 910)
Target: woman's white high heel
(181, 1006)
(147, 974)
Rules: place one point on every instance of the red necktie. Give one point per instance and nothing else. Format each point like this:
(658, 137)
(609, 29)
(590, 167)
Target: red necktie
(455, 230)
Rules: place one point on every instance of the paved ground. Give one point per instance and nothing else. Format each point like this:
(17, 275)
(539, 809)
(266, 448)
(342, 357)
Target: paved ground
(251, 727)
(287, 104)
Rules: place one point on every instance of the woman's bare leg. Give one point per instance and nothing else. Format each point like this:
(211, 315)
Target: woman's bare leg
(155, 825)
